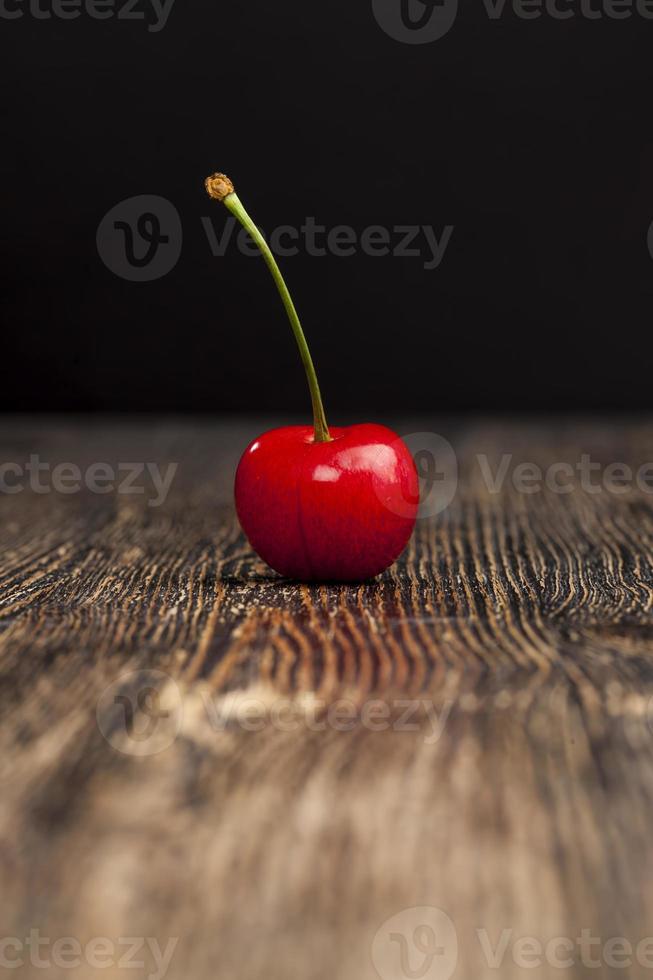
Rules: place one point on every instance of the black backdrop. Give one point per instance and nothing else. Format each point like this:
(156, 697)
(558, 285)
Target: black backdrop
(531, 137)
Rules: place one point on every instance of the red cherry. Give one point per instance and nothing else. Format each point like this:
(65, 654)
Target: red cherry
(332, 511)
(334, 505)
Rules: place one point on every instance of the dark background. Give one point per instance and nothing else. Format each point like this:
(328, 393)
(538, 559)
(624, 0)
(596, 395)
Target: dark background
(532, 138)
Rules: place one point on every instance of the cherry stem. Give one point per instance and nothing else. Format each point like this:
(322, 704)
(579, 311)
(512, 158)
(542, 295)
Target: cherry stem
(220, 188)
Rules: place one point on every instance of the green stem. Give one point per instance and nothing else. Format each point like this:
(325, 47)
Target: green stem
(321, 429)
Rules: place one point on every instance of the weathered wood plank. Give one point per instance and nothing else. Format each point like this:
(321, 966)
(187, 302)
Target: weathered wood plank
(472, 731)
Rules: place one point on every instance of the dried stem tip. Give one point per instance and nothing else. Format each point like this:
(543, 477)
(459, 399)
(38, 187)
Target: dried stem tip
(218, 186)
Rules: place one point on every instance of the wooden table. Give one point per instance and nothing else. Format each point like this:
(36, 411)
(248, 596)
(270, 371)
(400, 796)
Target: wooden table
(308, 782)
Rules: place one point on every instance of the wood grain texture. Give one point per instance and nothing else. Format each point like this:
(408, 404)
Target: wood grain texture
(471, 732)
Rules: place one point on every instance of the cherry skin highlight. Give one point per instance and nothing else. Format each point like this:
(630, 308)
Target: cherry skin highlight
(341, 510)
